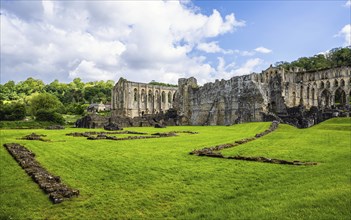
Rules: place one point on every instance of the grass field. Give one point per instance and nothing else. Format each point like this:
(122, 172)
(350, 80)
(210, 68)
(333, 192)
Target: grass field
(158, 179)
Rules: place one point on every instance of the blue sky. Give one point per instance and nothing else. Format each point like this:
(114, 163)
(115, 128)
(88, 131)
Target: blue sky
(163, 40)
(291, 29)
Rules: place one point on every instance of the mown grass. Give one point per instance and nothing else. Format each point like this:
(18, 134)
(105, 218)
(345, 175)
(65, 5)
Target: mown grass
(158, 179)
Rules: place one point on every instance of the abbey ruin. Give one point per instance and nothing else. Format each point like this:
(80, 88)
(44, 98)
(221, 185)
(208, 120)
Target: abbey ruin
(132, 99)
(298, 97)
(274, 93)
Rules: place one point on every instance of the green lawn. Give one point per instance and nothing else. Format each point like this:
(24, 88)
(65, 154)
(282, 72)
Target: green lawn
(158, 179)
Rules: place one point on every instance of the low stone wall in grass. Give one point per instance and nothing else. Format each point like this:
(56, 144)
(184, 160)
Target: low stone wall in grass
(49, 183)
(35, 137)
(214, 151)
(156, 135)
(90, 133)
(209, 150)
(106, 135)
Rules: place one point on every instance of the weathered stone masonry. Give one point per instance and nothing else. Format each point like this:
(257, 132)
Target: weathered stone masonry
(132, 99)
(274, 91)
(297, 97)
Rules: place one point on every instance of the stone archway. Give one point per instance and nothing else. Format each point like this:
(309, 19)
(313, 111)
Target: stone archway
(340, 97)
(293, 99)
(325, 99)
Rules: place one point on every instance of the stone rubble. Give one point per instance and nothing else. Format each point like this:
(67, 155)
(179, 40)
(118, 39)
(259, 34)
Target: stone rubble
(35, 137)
(49, 183)
(112, 127)
(213, 151)
(105, 135)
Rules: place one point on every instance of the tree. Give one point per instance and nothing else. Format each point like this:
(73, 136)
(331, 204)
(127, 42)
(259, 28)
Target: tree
(334, 58)
(45, 101)
(49, 115)
(340, 56)
(75, 109)
(30, 86)
(12, 111)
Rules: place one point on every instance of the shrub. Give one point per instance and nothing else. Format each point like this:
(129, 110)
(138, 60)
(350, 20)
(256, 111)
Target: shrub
(48, 115)
(47, 102)
(12, 111)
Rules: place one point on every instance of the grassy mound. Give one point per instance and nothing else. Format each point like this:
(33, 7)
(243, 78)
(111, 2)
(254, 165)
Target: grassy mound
(158, 179)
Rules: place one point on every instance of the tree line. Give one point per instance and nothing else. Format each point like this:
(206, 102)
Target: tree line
(334, 58)
(46, 102)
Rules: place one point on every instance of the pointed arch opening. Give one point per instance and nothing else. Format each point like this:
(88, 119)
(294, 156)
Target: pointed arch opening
(322, 85)
(135, 94)
(149, 96)
(294, 99)
(342, 83)
(328, 85)
(169, 97)
(143, 95)
(336, 83)
(340, 97)
(325, 99)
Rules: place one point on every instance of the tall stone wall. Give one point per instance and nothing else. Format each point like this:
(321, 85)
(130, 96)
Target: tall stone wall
(220, 103)
(132, 99)
(274, 91)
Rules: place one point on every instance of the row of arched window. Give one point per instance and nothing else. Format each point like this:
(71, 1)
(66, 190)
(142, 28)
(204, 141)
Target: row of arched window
(311, 96)
(336, 84)
(326, 75)
(149, 96)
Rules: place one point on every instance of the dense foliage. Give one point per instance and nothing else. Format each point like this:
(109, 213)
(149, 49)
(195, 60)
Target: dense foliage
(73, 92)
(334, 58)
(45, 101)
(162, 84)
(33, 94)
(12, 111)
(49, 115)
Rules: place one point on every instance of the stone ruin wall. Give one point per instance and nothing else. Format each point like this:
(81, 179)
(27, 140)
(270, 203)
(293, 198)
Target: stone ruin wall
(245, 98)
(274, 92)
(132, 99)
(318, 88)
(220, 103)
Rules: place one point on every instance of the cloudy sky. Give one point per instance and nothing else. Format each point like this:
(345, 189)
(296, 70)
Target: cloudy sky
(163, 40)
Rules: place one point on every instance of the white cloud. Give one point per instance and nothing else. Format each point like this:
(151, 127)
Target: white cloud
(226, 71)
(263, 50)
(88, 70)
(348, 3)
(248, 67)
(246, 53)
(94, 40)
(212, 47)
(346, 33)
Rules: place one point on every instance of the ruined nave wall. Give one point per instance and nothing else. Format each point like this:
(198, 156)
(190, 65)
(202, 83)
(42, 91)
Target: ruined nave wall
(220, 103)
(244, 98)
